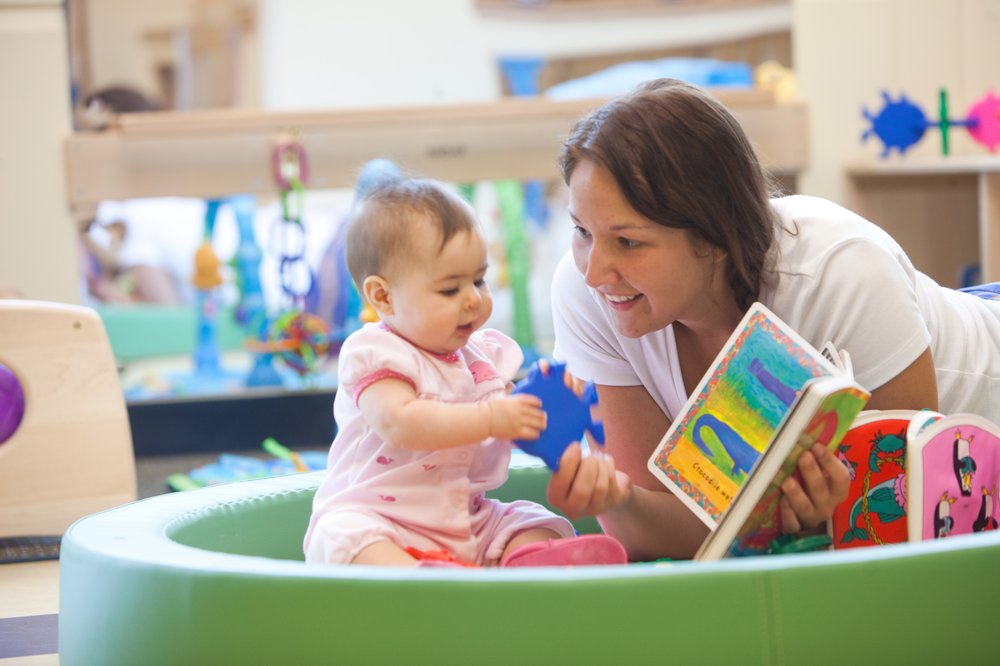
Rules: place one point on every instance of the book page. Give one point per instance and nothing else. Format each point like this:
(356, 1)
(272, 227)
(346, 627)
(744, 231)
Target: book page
(832, 354)
(728, 421)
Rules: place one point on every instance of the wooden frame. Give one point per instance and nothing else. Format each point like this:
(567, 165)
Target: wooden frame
(222, 152)
(559, 9)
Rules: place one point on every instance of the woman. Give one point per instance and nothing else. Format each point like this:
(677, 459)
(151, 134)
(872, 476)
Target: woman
(675, 236)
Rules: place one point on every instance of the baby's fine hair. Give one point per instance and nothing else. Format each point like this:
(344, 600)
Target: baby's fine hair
(382, 223)
(682, 160)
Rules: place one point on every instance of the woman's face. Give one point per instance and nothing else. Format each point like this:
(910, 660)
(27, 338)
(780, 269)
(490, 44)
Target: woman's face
(649, 275)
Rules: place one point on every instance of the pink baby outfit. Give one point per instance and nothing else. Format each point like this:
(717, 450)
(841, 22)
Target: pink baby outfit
(428, 500)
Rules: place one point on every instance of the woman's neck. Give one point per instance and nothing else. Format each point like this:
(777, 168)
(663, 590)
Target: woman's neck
(699, 341)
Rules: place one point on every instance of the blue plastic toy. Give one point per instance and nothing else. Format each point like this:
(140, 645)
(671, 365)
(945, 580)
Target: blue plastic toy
(569, 415)
(237, 467)
(900, 123)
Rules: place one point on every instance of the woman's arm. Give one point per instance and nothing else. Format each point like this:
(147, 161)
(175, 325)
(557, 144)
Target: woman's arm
(913, 388)
(392, 409)
(617, 487)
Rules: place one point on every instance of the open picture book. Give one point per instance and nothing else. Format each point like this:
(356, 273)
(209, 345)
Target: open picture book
(768, 396)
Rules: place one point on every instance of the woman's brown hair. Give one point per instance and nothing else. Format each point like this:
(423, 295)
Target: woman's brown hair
(683, 161)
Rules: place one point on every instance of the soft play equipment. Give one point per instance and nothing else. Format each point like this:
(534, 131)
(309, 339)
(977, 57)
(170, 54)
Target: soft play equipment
(65, 444)
(215, 576)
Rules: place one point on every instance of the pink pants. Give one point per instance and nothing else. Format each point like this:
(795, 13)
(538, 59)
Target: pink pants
(340, 535)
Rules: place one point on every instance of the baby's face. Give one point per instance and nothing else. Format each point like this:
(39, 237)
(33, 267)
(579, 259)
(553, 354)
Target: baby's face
(440, 299)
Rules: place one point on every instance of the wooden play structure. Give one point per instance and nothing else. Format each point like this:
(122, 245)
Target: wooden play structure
(70, 451)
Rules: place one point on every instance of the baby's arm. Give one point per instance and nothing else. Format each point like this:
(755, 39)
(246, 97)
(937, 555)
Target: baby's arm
(393, 410)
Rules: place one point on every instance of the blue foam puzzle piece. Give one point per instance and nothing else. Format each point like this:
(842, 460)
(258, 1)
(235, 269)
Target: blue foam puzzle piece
(569, 415)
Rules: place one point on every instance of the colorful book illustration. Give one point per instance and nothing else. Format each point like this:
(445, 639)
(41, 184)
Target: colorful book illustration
(823, 415)
(953, 474)
(874, 452)
(767, 391)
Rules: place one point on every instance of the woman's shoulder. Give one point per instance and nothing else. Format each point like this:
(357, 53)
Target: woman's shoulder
(812, 229)
(795, 205)
(809, 216)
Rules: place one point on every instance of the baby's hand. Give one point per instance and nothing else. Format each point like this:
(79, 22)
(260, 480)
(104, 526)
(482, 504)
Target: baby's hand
(517, 416)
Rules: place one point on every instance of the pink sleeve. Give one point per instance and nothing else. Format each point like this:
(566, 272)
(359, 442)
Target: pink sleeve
(372, 354)
(502, 351)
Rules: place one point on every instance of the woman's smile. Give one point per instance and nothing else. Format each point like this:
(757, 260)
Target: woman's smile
(621, 302)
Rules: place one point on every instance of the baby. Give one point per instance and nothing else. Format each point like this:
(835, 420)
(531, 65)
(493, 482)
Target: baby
(422, 406)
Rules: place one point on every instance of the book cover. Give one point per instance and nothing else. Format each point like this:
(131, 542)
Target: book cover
(953, 474)
(874, 452)
(711, 447)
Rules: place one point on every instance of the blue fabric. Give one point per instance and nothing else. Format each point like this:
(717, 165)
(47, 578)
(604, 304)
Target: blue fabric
(620, 78)
(990, 291)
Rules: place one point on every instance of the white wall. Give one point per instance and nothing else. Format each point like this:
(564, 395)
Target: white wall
(320, 54)
(847, 51)
(38, 251)
(317, 54)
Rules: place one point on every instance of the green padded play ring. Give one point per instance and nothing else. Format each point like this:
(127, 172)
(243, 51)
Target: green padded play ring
(215, 576)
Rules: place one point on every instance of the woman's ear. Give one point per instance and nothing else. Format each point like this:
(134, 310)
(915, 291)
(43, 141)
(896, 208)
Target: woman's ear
(376, 293)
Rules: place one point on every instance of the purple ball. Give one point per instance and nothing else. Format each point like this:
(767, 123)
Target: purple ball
(11, 403)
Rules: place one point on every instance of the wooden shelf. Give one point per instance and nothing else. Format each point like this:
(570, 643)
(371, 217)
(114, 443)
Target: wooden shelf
(925, 203)
(935, 166)
(561, 9)
(215, 153)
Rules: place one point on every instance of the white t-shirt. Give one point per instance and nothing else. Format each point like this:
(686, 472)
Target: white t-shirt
(833, 277)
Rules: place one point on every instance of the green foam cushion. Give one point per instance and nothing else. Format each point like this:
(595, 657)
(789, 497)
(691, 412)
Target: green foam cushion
(215, 576)
(139, 331)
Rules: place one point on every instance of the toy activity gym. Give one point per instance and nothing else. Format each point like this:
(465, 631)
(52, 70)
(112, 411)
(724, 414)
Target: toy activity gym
(190, 550)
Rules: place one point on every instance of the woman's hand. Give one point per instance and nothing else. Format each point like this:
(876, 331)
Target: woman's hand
(587, 485)
(809, 503)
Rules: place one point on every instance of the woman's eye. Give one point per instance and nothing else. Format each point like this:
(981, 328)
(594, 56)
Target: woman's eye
(580, 231)
(481, 282)
(628, 243)
(448, 292)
